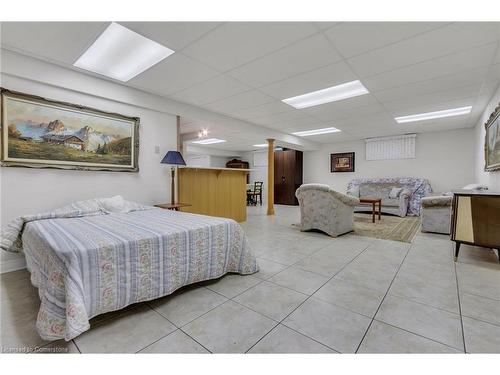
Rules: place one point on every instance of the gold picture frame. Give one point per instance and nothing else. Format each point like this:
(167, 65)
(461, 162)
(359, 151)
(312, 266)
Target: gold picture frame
(492, 142)
(36, 132)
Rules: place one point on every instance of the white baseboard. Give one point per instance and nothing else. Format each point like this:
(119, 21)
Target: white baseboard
(12, 265)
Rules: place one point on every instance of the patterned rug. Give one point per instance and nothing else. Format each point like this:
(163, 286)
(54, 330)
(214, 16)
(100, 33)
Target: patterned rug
(389, 227)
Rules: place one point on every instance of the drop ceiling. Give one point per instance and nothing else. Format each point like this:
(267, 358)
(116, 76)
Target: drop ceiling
(244, 70)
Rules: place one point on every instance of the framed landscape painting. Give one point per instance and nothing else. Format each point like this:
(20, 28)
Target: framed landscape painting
(42, 133)
(492, 144)
(342, 162)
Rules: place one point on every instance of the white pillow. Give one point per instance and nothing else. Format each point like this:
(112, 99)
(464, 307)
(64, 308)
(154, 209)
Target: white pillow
(114, 204)
(475, 187)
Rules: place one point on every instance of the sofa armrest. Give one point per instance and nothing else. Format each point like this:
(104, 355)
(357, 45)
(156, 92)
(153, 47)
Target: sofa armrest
(348, 200)
(437, 201)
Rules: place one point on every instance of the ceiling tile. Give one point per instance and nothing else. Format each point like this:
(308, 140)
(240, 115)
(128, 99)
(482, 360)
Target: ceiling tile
(437, 125)
(345, 108)
(431, 107)
(318, 79)
(451, 64)
(444, 96)
(353, 38)
(448, 82)
(62, 42)
(235, 43)
(306, 55)
(211, 90)
(280, 117)
(263, 110)
(173, 74)
(240, 101)
(430, 45)
(174, 35)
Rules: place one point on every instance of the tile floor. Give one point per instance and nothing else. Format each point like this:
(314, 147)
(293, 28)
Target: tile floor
(313, 294)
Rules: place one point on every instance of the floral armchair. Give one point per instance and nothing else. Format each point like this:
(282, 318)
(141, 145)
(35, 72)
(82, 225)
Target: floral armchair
(325, 209)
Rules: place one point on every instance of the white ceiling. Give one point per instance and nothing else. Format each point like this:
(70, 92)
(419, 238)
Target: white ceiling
(243, 70)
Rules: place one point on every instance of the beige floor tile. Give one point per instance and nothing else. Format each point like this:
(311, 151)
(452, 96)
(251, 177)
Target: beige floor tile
(480, 308)
(383, 338)
(336, 327)
(187, 305)
(285, 340)
(127, 333)
(481, 337)
(229, 328)
(350, 296)
(176, 342)
(299, 280)
(232, 285)
(271, 300)
(427, 321)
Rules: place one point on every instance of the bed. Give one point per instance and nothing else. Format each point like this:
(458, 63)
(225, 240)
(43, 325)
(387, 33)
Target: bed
(89, 262)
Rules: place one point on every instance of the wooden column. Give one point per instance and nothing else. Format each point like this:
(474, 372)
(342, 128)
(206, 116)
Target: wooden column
(270, 176)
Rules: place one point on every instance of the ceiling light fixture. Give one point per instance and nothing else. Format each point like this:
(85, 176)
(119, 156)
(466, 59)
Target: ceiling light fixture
(306, 133)
(121, 54)
(202, 133)
(330, 94)
(433, 115)
(261, 145)
(209, 141)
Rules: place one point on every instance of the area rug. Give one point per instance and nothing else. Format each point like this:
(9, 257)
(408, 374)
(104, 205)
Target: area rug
(389, 227)
(394, 228)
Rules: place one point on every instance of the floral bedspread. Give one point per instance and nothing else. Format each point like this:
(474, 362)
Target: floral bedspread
(418, 187)
(89, 265)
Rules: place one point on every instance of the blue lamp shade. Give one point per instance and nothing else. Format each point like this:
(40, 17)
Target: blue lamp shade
(173, 158)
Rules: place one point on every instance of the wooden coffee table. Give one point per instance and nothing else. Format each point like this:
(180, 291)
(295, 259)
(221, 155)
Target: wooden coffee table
(373, 202)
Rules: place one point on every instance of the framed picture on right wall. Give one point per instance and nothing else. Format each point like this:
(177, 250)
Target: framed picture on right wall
(492, 142)
(342, 162)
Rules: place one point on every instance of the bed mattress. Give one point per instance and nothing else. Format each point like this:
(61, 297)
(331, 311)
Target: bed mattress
(86, 266)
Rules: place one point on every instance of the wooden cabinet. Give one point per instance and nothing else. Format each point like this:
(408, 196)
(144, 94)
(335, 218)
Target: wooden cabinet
(476, 220)
(287, 176)
(214, 191)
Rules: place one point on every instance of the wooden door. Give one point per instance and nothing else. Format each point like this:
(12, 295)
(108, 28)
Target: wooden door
(279, 158)
(289, 177)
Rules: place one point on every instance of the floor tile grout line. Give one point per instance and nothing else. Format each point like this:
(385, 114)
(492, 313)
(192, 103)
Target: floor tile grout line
(383, 299)
(199, 343)
(309, 297)
(460, 308)
(77, 347)
(417, 334)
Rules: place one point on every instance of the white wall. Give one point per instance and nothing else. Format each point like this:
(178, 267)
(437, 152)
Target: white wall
(446, 159)
(25, 191)
(491, 179)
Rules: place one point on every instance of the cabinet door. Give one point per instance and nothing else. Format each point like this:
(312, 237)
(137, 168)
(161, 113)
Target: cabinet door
(289, 180)
(278, 176)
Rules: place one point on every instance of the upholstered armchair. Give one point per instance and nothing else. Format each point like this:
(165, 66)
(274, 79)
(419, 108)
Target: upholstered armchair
(325, 209)
(436, 214)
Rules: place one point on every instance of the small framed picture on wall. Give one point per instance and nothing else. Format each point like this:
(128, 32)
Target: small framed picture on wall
(343, 162)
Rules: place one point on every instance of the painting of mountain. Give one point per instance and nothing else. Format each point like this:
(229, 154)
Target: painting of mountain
(41, 132)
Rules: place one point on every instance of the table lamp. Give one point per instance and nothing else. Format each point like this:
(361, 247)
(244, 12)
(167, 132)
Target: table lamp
(173, 158)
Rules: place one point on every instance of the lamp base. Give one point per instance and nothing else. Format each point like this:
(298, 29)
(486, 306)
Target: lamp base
(172, 187)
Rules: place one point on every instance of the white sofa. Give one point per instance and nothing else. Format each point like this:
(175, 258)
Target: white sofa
(324, 209)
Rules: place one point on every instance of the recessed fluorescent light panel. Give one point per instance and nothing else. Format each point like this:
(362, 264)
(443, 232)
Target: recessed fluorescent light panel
(330, 94)
(307, 133)
(433, 115)
(122, 54)
(209, 141)
(261, 145)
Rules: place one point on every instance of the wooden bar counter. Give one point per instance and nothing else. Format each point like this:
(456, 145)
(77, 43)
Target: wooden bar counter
(214, 191)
